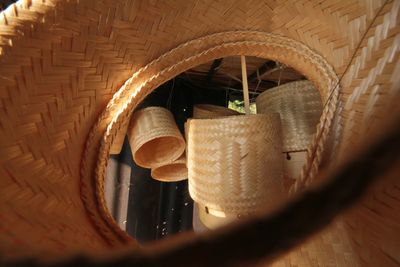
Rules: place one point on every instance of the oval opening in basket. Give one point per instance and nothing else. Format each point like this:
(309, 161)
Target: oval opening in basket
(279, 74)
(175, 171)
(158, 151)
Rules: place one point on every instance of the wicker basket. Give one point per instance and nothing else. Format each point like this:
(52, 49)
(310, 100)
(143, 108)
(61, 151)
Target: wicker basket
(206, 219)
(235, 163)
(172, 172)
(299, 104)
(62, 64)
(205, 111)
(154, 137)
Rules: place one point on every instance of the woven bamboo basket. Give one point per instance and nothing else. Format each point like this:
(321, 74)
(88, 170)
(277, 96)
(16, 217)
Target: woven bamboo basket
(299, 104)
(62, 105)
(171, 172)
(154, 137)
(234, 163)
(206, 219)
(206, 111)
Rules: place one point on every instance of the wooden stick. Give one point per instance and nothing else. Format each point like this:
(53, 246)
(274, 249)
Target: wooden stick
(245, 85)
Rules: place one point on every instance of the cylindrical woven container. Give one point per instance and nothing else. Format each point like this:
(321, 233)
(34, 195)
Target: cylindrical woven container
(235, 163)
(206, 111)
(171, 172)
(154, 137)
(299, 104)
(207, 220)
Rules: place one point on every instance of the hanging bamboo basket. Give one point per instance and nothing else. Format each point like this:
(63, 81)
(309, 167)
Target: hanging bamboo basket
(235, 163)
(299, 104)
(207, 219)
(154, 137)
(171, 172)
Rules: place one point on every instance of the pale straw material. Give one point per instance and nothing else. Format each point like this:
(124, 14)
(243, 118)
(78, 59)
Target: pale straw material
(299, 104)
(171, 172)
(206, 111)
(62, 63)
(206, 219)
(154, 137)
(292, 165)
(174, 62)
(177, 170)
(198, 226)
(235, 163)
(212, 221)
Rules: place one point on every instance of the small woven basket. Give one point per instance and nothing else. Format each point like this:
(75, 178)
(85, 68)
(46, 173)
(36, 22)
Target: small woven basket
(171, 172)
(154, 137)
(208, 220)
(299, 104)
(206, 111)
(235, 163)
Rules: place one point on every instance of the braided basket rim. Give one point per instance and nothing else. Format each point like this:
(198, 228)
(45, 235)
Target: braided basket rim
(189, 54)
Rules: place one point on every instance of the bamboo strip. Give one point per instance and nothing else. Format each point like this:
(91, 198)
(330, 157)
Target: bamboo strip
(245, 85)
